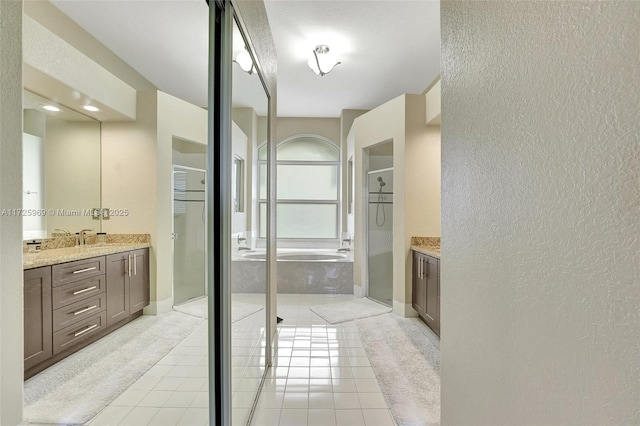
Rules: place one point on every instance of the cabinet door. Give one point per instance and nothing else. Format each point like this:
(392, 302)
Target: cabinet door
(139, 281)
(432, 309)
(38, 328)
(419, 284)
(118, 274)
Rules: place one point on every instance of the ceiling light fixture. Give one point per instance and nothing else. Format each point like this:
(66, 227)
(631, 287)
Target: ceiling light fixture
(244, 60)
(322, 62)
(91, 108)
(51, 108)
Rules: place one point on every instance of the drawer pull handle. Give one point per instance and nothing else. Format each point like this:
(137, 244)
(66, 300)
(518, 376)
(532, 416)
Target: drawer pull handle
(82, 311)
(86, 289)
(129, 263)
(79, 271)
(80, 333)
(135, 265)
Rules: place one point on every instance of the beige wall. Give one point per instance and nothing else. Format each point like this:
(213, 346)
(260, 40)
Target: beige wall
(288, 127)
(433, 100)
(11, 295)
(72, 172)
(541, 267)
(416, 169)
(346, 123)
(129, 172)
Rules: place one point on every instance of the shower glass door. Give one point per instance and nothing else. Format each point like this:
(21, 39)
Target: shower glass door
(189, 216)
(380, 236)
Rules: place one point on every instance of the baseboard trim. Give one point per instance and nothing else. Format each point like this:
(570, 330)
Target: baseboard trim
(404, 310)
(358, 291)
(159, 307)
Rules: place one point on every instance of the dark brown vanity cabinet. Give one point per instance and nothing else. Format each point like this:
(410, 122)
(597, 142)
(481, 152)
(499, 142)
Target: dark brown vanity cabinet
(69, 305)
(38, 344)
(426, 289)
(127, 284)
(80, 301)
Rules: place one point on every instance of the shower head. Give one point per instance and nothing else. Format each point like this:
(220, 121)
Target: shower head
(381, 182)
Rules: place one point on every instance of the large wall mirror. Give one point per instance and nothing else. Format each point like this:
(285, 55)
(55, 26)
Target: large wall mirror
(61, 169)
(250, 106)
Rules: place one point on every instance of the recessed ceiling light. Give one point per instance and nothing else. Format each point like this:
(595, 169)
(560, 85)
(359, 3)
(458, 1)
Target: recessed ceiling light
(51, 108)
(91, 108)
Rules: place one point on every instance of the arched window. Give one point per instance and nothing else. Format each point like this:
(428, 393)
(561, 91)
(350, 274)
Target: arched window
(308, 188)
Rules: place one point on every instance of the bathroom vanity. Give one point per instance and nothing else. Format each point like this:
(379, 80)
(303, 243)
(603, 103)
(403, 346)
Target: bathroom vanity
(79, 295)
(426, 281)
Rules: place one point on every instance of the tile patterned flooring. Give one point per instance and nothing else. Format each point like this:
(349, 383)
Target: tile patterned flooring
(321, 376)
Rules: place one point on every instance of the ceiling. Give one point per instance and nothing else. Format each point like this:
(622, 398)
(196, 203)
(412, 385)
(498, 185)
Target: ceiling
(387, 48)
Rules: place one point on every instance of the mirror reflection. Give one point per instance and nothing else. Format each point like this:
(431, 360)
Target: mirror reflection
(248, 269)
(61, 169)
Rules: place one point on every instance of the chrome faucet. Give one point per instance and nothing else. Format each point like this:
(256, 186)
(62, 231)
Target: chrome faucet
(347, 240)
(82, 239)
(344, 249)
(244, 248)
(241, 239)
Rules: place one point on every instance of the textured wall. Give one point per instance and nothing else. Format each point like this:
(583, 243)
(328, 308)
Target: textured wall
(541, 202)
(11, 329)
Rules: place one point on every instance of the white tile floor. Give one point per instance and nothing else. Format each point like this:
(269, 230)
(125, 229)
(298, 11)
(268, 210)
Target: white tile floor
(321, 376)
(173, 392)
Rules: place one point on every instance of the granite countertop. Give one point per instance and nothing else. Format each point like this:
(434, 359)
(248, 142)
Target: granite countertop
(426, 245)
(68, 254)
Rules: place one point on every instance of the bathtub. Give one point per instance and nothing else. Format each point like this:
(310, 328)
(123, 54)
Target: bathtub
(301, 271)
(300, 255)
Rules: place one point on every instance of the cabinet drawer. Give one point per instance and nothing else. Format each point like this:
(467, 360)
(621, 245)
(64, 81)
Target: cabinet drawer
(65, 273)
(69, 336)
(69, 293)
(76, 312)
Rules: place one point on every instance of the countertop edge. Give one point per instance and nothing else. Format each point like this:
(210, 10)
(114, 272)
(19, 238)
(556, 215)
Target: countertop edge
(429, 251)
(64, 255)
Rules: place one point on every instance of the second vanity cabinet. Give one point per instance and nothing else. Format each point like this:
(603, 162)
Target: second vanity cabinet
(426, 289)
(69, 305)
(127, 284)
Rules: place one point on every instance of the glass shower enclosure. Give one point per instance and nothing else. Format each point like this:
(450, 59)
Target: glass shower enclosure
(380, 235)
(189, 218)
